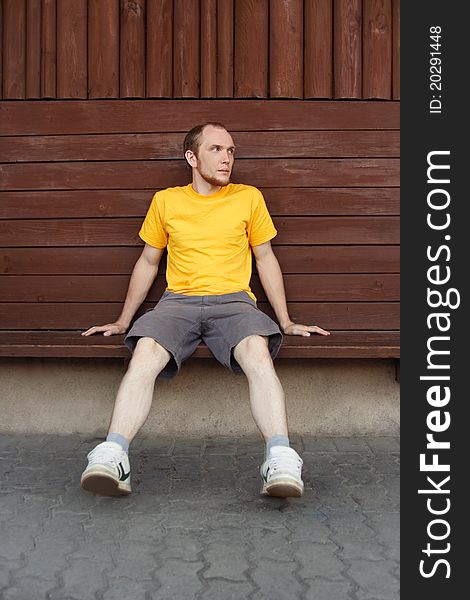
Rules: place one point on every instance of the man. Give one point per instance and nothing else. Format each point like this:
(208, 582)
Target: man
(210, 228)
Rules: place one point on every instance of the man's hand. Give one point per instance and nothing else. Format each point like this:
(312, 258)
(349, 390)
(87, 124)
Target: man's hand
(143, 275)
(304, 330)
(270, 276)
(109, 329)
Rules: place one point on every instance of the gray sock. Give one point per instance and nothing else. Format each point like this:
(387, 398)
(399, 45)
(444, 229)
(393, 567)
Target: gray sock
(276, 440)
(119, 439)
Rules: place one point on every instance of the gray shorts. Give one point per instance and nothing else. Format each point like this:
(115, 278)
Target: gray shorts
(180, 322)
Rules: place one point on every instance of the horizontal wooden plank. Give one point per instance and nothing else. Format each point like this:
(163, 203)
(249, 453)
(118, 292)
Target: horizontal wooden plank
(120, 261)
(321, 172)
(341, 344)
(338, 259)
(337, 230)
(112, 288)
(124, 232)
(342, 315)
(330, 315)
(158, 146)
(134, 203)
(144, 116)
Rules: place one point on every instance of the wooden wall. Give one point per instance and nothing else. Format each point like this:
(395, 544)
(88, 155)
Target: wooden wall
(330, 49)
(76, 179)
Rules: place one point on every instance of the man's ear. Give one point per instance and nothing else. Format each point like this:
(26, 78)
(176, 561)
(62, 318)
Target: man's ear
(191, 158)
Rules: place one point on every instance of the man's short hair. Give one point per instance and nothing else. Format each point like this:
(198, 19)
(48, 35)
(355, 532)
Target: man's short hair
(192, 141)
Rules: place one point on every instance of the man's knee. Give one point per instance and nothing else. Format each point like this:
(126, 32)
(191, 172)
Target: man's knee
(253, 351)
(149, 356)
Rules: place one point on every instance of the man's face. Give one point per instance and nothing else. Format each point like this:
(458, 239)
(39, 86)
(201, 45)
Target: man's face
(215, 156)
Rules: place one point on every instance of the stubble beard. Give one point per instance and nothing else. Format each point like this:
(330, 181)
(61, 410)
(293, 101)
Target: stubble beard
(214, 180)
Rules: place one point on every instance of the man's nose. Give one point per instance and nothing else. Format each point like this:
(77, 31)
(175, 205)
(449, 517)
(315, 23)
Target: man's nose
(226, 157)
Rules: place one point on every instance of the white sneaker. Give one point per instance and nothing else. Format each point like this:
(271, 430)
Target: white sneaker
(108, 472)
(281, 473)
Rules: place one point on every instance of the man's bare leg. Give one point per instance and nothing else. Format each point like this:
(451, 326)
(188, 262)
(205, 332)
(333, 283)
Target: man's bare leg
(267, 400)
(135, 394)
(108, 472)
(281, 471)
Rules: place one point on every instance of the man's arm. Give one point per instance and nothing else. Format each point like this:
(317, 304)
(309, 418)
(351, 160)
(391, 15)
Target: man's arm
(270, 275)
(143, 275)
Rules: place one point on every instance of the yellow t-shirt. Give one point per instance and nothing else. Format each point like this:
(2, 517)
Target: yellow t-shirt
(208, 237)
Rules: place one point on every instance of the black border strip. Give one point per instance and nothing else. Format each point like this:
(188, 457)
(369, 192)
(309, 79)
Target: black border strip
(424, 132)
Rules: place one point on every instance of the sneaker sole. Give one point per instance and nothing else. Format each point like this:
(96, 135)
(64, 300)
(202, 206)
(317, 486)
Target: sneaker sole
(104, 485)
(282, 488)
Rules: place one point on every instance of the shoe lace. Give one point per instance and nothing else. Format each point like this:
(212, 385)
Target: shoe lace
(103, 454)
(288, 463)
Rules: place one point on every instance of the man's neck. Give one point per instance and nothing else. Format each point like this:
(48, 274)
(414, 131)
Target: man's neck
(203, 187)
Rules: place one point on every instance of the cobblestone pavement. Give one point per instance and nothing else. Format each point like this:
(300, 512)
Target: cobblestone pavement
(196, 526)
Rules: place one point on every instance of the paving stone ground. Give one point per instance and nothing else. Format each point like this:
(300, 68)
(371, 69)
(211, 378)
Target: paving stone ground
(196, 526)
